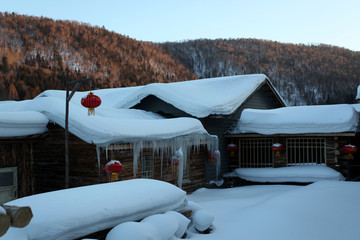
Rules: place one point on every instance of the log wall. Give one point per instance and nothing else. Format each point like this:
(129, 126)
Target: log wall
(19, 153)
(49, 164)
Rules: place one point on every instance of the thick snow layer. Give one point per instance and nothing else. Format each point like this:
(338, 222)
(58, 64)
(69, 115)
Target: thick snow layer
(326, 210)
(298, 119)
(24, 123)
(289, 174)
(202, 220)
(107, 126)
(199, 98)
(76, 212)
(156, 227)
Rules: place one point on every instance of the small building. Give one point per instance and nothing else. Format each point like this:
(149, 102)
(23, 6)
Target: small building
(216, 102)
(32, 146)
(309, 135)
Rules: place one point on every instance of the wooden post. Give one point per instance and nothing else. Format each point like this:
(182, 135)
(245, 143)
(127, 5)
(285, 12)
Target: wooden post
(68, 98)
(19, 216)
(4, 224)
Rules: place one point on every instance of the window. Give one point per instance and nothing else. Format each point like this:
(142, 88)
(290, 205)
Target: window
(305, 151)
(254, 153)
(8, 184)
(146, 166)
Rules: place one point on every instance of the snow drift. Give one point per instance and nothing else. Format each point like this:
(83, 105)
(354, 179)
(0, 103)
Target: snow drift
(76, 212)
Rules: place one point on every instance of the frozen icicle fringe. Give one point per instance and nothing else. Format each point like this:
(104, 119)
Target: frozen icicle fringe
(180, 171)
(217, 156)
(98, 160)
(137, 148)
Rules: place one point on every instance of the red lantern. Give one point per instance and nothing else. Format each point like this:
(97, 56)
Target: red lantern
(232, 148)
(91, 102)
(113, 168)
(173, 161)
(277, 147)
(350, 150)
(214, 156)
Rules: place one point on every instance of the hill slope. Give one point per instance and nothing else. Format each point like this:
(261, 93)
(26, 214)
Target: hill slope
(38, 53)
(302, 74)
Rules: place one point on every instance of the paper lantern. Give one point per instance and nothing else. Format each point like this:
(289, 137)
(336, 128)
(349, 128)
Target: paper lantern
(350, 150)
(232, 148)
(91, 102)
(277, 148)
(113, 168)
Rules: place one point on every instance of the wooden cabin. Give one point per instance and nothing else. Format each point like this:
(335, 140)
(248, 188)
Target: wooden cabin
(309, 135)
(241, 92)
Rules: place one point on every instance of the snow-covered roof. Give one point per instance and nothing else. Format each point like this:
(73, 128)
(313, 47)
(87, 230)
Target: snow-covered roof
(298, 120)
(16, 124)
(109, 125)
(199, 98)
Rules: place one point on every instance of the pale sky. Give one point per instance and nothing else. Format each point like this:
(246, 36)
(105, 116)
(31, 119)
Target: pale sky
(334, 22)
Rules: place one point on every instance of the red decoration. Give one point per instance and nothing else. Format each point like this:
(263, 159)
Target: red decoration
(350, 150)
(174, 161)
(91, 102)
(113, 168)
(232, 148)
(214, 156)
(277, 147)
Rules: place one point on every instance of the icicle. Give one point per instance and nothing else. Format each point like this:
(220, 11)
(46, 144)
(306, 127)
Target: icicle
(180, 170)
(218, 163)
(106, 149)
(137, 148)
(98, 160)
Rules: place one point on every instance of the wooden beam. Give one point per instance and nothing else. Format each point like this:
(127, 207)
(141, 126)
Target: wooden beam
(19, 216)
(4, 224)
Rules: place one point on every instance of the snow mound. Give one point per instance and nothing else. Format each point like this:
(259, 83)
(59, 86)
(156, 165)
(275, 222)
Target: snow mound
(156, 227)
(298, 119)
(289, 174)
(202, 220)
(76, 212)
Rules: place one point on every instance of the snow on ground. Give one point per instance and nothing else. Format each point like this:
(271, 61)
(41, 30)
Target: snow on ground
(305, 174)
(299, 119)
(76, 212)
(326, 210)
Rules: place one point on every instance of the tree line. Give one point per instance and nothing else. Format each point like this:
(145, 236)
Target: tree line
(303, 74)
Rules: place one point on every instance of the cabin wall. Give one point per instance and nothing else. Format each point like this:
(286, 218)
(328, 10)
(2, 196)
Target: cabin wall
(334, 157)
(263, 98)
(19, 154)
(49, 164)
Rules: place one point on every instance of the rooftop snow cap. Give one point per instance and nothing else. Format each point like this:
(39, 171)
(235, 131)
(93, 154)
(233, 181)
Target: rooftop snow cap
(199, 98)
(298, 119)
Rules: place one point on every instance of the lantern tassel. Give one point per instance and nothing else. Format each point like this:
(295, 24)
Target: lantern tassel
(91, 112)
(350, 156)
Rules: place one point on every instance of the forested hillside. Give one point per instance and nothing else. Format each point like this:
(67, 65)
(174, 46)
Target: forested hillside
(38, 53)
(302, 74)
